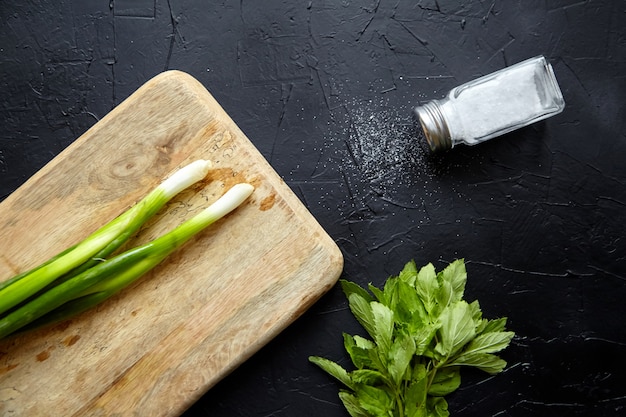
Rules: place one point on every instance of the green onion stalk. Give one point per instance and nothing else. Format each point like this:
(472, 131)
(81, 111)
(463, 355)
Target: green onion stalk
(101, 243)
(101, 281)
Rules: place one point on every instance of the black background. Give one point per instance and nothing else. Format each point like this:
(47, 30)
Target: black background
(324, 89)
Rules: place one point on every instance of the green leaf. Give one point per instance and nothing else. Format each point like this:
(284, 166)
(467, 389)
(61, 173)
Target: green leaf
(445, 295)
(487, 362)
(352, 404)
(419, 372)
(424, 338)
(350, 288)
(489, 342)
(362, 311)
(390, 293)
(358, 350)
(456, 275)
(366, 354)
(427, 287)
(415, 399)
(457, 328)
(364, 343)
(379, 295)
(437, 407)
(496, 325)
(333, 369)
(375, 401)
(446, 381)
(416, 411)
(400, 355)
(383, 325)
(409, 309)
(367, 377)
(415, 392)
(409, 273)
(477, 314)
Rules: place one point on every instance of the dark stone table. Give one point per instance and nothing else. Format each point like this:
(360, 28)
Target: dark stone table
(325, 89)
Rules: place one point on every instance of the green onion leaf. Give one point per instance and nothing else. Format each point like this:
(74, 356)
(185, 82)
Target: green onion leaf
(101, 243)
(106, 278)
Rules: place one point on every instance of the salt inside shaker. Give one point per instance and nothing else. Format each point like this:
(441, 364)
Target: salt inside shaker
(492, 105)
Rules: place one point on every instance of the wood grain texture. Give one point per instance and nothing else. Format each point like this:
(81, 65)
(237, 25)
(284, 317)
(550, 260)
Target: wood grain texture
(161, 343)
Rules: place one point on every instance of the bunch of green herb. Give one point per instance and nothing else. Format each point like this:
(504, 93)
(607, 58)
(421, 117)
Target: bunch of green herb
(422, 333)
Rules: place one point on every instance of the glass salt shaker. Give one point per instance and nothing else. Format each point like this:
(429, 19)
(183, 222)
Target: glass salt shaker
(492, 105)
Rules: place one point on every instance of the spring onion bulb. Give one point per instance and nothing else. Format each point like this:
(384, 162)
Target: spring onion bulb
(101, 243)
(106, 278)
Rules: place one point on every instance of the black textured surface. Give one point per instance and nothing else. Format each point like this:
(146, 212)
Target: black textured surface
(324, 90)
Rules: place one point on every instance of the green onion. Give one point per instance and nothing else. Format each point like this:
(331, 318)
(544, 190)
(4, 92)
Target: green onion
(101, 243)
(106, 278)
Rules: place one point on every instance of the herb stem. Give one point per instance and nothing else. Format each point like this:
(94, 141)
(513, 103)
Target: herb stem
(399, 401)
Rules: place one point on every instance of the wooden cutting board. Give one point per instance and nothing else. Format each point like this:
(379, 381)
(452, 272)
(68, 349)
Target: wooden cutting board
(156, 347)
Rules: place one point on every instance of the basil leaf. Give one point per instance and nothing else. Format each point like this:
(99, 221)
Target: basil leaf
(400, 355)
(445, 295)
(362, 310)
(456, 276)
(364, 343)
(408, 307)
(389, 296)
(477, 315)
(374, 400)
(379, 295)
(415, 397)
(383, 325)
(352, 405)
(457, 328)
(424, 338)
(367, 377)
(427, 287)
(350, 288)
(446, 381)
(496, 325)
(487, 362)
(409, 273)
(437, 407)
(333, 369)
(359, 354)
(489, 342)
